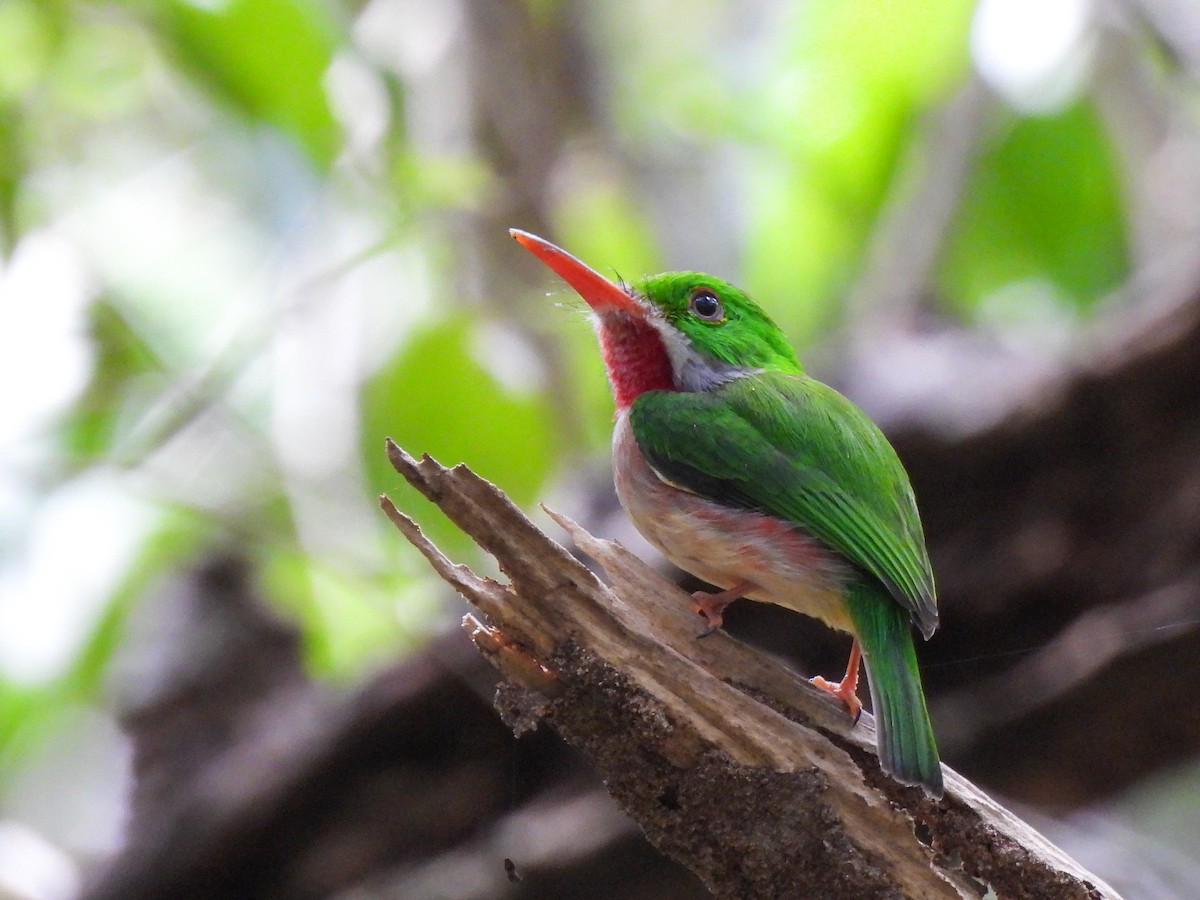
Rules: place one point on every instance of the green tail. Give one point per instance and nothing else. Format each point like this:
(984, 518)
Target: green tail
(904, 735)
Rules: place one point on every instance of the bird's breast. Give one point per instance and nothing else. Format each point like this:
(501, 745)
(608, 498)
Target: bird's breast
(725, 545)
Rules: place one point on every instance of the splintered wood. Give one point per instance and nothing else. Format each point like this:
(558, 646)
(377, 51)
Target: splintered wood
(731, 763)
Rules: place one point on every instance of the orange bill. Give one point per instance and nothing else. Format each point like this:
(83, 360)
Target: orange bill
(600, 293)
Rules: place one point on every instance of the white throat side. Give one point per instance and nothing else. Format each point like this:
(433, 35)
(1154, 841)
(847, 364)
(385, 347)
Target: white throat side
(692, 370)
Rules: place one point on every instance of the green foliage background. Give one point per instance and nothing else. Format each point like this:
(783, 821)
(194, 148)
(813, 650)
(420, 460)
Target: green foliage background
(286, 220)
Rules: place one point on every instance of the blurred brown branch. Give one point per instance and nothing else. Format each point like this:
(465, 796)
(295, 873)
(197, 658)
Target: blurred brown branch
(1064, 541)
(252, 781)
(730, 762)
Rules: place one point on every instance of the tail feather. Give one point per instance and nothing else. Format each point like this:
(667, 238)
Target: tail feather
(904, 735)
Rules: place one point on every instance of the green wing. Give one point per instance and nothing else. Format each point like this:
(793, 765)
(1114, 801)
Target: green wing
(792, 447)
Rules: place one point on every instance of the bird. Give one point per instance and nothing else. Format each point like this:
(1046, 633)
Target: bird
(745, 471)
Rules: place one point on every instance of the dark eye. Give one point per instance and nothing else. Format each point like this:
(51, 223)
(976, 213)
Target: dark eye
(705, 304)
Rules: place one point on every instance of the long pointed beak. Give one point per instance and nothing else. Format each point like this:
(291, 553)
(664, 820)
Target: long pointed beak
(601, 294)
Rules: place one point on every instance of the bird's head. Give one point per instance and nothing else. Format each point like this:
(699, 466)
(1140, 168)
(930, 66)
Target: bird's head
(681, 331)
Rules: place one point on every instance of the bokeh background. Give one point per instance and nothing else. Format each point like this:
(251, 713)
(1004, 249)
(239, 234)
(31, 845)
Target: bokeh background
(242, 241)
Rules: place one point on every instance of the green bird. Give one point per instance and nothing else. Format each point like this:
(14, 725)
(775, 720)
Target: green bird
(761, 480)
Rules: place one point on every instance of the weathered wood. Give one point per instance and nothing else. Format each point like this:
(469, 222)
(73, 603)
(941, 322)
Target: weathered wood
(731, 763)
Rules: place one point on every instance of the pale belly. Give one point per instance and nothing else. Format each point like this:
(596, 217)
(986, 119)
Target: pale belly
(726, 546)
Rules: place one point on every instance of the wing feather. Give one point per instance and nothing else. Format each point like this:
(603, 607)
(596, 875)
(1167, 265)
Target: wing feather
(792, 447)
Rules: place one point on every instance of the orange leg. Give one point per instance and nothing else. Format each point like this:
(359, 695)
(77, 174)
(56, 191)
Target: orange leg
(845, 690)
(712, 606)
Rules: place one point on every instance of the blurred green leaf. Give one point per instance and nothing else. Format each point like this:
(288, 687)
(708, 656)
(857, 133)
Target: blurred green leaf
(846, 98)
(1044, 203)
(12, 171)
(856, 74)
(438, 397)
(267, 58)
(355, 622)
(26, 45)
(26, 713)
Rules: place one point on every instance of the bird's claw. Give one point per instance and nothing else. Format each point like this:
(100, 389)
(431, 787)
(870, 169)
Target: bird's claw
(710, 607)
(845, 690)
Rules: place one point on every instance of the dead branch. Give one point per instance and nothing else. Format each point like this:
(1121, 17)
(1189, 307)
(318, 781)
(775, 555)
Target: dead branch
(731, 763)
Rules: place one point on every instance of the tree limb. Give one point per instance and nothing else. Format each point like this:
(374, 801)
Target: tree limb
(730, 762)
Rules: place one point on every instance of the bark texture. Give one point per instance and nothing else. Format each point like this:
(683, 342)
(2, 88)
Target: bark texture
(732, 764)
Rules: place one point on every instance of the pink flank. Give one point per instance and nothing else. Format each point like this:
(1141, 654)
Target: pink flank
(726, 546)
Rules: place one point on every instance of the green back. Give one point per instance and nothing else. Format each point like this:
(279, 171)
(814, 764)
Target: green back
(785, 444)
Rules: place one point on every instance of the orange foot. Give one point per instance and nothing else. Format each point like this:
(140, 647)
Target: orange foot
(712, 606)
(845, 690)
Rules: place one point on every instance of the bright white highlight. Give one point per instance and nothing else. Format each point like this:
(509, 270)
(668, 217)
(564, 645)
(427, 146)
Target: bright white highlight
(1033, 53)
(45, 355)
(80, 543)
(32, 867)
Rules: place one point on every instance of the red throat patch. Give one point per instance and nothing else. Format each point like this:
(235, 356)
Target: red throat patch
(635, 358)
